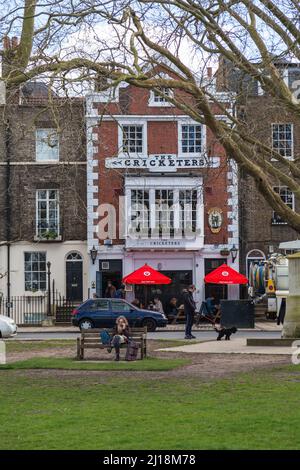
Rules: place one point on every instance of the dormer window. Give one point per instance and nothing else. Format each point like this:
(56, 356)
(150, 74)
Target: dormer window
(159, 97)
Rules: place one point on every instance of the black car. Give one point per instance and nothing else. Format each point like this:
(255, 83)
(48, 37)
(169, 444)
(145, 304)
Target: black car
(102, 313)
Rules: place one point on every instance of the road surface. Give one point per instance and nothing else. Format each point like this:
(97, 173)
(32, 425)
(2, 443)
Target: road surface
(201, 335)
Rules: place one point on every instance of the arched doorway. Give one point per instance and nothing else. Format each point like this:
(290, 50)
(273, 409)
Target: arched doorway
(74, 290)
(254, 256)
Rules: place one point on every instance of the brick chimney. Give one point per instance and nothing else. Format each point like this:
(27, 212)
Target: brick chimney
(14, 42)
(9, 47)
(6, 43)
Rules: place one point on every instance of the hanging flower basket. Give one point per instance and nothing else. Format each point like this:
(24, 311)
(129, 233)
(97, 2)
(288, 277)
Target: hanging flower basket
(225, 252)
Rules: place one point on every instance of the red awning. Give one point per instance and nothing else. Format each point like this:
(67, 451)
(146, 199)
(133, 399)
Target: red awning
(225, 275)
(146, 275)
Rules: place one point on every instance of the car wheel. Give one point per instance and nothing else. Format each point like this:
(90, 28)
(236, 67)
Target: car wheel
(86, 324)
(150, 324)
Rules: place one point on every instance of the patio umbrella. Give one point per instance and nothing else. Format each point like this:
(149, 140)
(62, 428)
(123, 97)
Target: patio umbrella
(225, 275)
(146, 275)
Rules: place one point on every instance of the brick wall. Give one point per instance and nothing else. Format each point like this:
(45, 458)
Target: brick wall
(162, 137)
(27, 176)
(256, 229)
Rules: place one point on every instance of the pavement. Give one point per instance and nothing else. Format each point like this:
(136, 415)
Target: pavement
(234, 346)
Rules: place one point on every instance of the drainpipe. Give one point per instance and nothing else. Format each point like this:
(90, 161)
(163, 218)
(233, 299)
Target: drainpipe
(8, 211)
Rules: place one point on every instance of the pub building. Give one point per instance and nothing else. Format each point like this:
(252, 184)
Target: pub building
(161, 191)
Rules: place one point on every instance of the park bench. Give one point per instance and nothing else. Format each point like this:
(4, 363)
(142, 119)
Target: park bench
(90, 339)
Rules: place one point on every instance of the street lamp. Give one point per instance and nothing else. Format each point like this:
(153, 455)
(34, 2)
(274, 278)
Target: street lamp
(93, 254)
(49, 290)
(234, 252)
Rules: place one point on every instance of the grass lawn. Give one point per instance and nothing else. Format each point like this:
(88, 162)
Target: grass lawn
(258, 410)
(65, 363)
(38, 345)
(20, 346)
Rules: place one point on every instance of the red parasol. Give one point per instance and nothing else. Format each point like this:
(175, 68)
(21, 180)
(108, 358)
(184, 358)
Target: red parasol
(225, 275)
(146, 275)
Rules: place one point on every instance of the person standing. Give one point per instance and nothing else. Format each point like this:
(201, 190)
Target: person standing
(110, 290)
(120, 293)
(189, 310)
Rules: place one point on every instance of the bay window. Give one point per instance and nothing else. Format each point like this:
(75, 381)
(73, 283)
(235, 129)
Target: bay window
(161, 212)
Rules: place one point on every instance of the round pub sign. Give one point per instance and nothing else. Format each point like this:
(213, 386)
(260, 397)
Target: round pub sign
(215, 219)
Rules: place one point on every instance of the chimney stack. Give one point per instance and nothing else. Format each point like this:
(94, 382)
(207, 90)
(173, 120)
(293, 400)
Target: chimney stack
(6, 43)
(14, 42)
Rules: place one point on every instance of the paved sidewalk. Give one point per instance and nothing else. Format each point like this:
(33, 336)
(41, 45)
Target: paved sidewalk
(234, 346)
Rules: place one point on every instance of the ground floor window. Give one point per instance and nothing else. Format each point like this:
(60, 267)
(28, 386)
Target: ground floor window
(180, 280)
(35, 270)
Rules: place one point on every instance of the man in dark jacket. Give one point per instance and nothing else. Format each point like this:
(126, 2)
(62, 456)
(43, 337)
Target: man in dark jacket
(189, 310)
(120, 293)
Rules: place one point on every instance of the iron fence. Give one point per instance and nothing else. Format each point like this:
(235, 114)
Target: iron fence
(25, 310)
(32, 310)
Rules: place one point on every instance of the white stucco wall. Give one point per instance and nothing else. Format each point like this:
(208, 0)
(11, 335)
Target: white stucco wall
(56, 254)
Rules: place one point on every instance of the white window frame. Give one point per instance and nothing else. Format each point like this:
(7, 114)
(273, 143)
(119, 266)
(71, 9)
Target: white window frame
(142, 123)
(25, 271)
(160, 104)
(175, 184)
(292, 134)
(274, 212)
(203, 137)
(39, 236)
(41, 160)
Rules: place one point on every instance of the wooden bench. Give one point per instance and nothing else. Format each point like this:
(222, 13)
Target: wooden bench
(90, 339)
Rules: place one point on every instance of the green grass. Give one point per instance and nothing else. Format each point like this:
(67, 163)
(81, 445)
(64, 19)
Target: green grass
(37, 345)
(65, 363)
(258, 410)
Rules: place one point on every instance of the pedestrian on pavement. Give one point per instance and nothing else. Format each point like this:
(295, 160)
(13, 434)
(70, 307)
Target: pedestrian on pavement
(189, 310)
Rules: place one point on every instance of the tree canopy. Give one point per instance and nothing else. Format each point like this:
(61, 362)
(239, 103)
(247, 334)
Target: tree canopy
(73, 42)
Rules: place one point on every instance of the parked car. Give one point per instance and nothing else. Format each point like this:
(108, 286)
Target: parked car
(102, 313)
(7, 327)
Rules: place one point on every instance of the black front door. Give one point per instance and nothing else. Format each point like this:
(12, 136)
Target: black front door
(74, 280)
(218, 291)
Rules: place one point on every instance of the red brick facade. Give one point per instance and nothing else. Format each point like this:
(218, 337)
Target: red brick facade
(162, 134)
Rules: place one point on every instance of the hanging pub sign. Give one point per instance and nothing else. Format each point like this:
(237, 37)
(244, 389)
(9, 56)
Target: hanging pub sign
(162, 162)
(215, 219)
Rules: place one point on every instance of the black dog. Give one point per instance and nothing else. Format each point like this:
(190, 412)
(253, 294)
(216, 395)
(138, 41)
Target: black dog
(227, 332)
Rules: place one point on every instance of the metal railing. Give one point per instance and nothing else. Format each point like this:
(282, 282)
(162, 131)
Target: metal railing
(33, 309)
(25, 310)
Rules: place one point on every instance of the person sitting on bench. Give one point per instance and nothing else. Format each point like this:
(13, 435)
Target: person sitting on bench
(121, 334)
